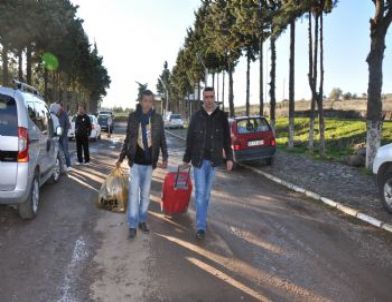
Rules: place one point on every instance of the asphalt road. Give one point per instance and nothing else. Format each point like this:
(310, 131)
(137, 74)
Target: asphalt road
(263, 243)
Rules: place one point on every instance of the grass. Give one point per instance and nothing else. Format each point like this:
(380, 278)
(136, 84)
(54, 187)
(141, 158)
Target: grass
(341, 136)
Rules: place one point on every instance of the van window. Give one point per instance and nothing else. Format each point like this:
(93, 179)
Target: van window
(39, 114)
(252, 125)
(8, 117)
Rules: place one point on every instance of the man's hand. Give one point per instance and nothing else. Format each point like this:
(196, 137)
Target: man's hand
(229, 165)
(118, 164)
(163, 165)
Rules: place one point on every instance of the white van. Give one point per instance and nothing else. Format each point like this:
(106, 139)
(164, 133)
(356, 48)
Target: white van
(29, 151)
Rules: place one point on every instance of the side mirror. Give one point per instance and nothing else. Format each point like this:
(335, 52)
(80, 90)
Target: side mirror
(59, 131)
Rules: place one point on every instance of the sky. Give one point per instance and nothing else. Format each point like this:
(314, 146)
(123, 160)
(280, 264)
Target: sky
(136, 37)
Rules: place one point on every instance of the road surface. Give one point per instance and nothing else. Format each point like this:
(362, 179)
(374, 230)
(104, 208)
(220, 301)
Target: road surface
(264, 243)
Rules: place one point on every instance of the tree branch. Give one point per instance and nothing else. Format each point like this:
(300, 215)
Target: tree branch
(379, 13)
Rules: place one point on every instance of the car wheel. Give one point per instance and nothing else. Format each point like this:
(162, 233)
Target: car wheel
(269, 161)
(29, 209)
(56, 171)
(385, 187)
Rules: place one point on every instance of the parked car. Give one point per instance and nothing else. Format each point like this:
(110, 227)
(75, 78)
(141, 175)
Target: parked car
(174, 121)
(95, 132)
(252, 139)
(103, 121)
(382, 168)
(29, 151)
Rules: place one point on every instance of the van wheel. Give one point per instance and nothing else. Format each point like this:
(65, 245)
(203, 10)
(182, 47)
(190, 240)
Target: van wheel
(269, 161)
(385, 188)
(29, 209)
(56, 171)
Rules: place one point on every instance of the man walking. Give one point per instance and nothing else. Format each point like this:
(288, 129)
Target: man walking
(82, 134)
(208, 135)
(63, 140)
(145, 138)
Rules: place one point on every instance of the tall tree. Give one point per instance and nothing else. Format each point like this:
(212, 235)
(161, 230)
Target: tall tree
(379, 25)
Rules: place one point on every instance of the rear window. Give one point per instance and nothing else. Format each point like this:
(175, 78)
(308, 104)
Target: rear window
(252, 125)
(8, 117)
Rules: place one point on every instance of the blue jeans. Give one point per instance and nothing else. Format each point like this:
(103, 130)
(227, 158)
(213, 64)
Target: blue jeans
(139, 194)
(204, 179)
(63, 143)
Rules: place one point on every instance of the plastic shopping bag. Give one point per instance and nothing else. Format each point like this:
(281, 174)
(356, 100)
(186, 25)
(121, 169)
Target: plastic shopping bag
(113, 194)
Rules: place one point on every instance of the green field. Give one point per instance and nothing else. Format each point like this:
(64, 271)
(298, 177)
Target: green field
(341, 136)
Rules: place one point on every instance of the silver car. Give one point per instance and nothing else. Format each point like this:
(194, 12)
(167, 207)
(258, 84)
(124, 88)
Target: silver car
(29, 150)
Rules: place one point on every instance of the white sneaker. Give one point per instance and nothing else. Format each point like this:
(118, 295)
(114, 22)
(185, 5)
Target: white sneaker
(69, 169)
(78, 163)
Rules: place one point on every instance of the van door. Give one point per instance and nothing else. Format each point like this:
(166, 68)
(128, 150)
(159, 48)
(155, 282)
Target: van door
(39, 117)
(8, 143)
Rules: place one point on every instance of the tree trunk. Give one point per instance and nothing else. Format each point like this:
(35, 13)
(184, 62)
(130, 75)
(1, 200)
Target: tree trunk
(273, 84)
(261, 78)
(199, 95)
(248, 85)
(374, 104)
(312, 78)
(292, 85)
(46, 79)
(213, 79)
(223, 90)
(217, 88)
(4, 58)
(20, 65)
(231, 92)
(320, 94)
(28, 64)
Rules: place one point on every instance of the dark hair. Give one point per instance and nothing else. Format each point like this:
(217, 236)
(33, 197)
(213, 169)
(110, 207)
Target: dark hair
(82, 105)
(146, 93)
(209, 89)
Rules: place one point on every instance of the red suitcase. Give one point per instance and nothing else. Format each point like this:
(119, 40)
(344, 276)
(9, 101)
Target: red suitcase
(176, 191)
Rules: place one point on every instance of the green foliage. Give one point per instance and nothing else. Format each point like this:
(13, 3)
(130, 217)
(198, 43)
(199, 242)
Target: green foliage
(42, 27)
(336, 94)
(341, 135)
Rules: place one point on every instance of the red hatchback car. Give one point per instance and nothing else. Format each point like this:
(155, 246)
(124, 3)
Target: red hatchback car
(252, 139)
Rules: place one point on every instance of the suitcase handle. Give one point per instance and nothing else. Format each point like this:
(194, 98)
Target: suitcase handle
(184, 168)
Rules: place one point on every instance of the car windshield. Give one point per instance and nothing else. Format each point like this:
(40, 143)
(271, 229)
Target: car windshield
(252, 125)
(8, 117)
(175, 117)
(103, 117)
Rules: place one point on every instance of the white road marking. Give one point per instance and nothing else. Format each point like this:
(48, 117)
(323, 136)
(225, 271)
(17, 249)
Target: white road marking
(79, 254)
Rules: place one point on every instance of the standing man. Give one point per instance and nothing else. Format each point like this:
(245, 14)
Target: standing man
(82, 134)
(63, 140)
(208, 135)
(145, 138)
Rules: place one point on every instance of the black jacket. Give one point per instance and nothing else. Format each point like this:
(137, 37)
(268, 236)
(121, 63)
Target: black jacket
(220, 138)
(83, 125)
(158, 139)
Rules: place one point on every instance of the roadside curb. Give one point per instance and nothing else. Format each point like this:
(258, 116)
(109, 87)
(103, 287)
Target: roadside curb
(331, 203)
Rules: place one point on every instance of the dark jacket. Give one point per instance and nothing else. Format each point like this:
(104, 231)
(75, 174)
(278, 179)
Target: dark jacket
(64, 122)
(83, 125)
(219, 140)
(158, 139)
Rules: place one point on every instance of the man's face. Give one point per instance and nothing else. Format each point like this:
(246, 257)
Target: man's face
(209, 99)
(147, 103)
(81, 110)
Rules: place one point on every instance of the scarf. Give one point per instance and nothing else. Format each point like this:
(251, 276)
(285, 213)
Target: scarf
(144, 140)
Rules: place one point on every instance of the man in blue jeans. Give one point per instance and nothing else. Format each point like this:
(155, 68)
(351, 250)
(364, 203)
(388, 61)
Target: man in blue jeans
(145, 138)
(208, 135)
(63, 140)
